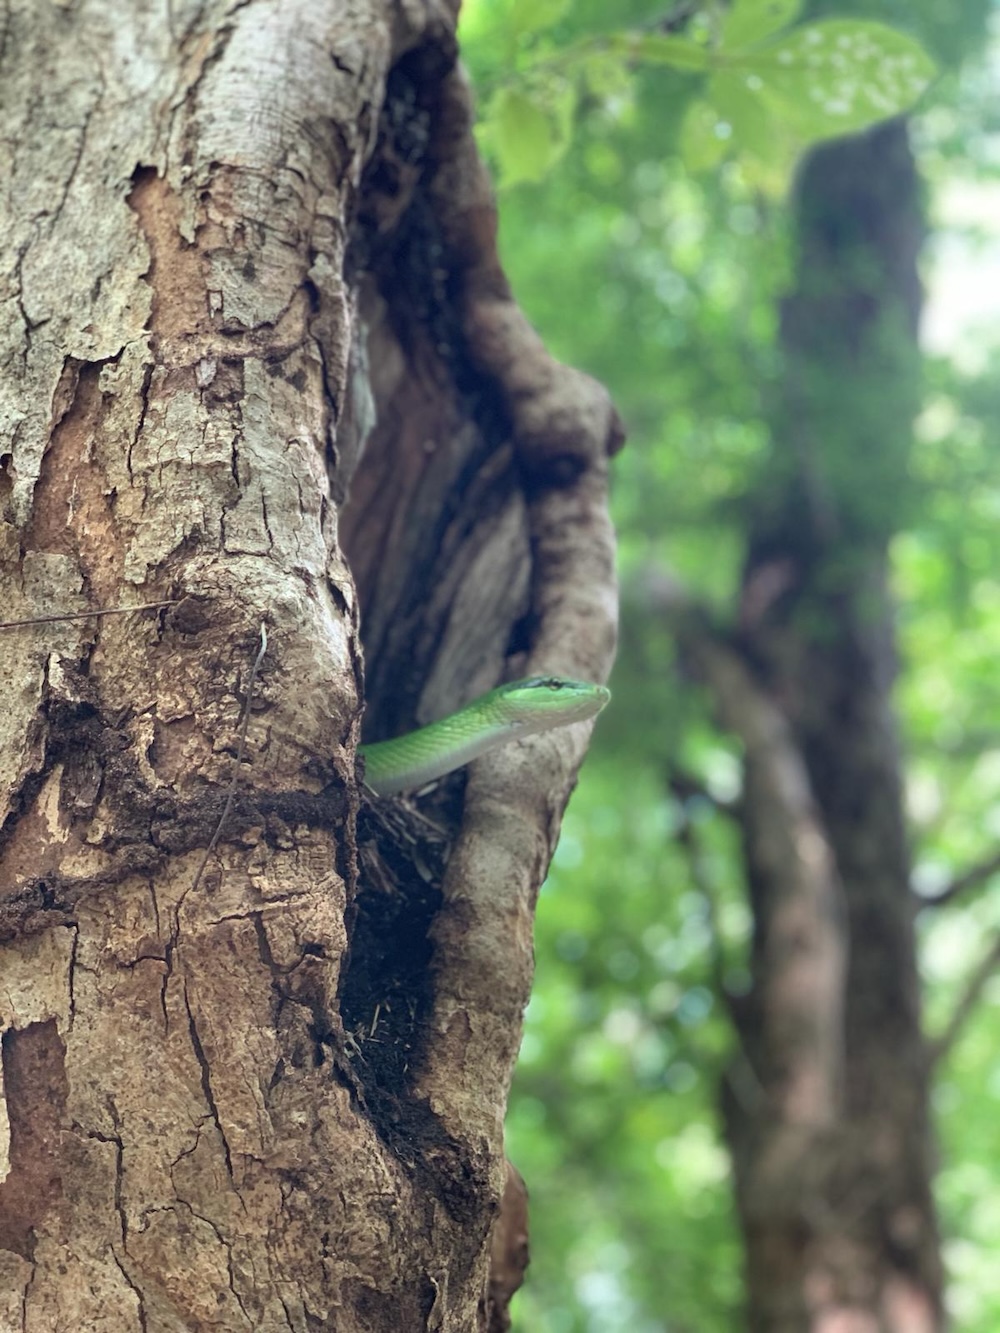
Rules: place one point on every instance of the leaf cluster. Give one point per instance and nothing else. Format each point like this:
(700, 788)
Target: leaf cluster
(758, 85)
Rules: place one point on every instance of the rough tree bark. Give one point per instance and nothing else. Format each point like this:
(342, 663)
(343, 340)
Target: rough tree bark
(253, 320)
(826, 1108)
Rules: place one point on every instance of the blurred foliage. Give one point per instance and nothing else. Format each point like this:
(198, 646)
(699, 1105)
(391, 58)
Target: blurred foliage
(665, 285)
(759, 86)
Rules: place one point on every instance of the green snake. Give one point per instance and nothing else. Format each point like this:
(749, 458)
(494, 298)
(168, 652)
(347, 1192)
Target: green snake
(507, 713)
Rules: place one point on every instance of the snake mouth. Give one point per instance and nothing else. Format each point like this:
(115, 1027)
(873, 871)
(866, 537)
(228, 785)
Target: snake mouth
(588, 705)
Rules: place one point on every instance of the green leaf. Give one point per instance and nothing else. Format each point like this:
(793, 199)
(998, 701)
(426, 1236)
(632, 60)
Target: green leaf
(529, 133)
(839, 76)
(820, 81)
(606, 74)
(733, 95)
(528, 16)
(750, 21)
(732, 121)
(702, 145)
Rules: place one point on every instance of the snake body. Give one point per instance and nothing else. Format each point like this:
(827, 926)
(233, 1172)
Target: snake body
(507, 713)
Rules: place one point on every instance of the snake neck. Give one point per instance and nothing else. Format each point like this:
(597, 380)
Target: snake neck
(431, 751)
(506, 713)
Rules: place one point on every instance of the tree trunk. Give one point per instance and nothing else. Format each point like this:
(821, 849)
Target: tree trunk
(827, 1109)
(254, 311)
(826, 1105)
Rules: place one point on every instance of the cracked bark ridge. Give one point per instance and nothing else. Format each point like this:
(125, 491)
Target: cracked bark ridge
(238, 275)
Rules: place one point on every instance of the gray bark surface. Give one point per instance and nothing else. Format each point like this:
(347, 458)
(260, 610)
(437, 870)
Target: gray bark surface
(260, 360)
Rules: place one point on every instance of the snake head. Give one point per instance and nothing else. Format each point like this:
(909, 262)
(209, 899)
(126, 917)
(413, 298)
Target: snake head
(539, 703)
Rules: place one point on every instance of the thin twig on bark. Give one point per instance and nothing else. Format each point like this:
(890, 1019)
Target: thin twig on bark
(84, 615)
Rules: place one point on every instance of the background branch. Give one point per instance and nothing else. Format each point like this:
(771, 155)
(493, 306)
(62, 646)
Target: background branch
(974, 986)
(961, 884)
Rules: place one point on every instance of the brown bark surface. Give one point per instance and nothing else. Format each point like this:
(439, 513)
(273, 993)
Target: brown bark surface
(826, 1104)
(253, 320)
(827, 1111)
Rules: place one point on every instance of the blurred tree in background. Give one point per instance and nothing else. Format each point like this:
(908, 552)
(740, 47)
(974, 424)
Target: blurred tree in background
(766, 944)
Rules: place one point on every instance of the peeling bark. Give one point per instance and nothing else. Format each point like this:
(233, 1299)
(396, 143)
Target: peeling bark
(255, 320)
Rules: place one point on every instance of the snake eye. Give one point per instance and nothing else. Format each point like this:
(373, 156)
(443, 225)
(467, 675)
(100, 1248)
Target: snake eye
(554, 684)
